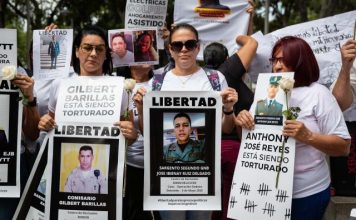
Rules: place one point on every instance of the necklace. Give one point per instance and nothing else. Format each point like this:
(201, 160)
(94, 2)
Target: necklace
(185, 79)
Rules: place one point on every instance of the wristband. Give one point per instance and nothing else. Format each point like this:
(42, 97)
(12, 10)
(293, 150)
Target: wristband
(33, 103)
(228, 113)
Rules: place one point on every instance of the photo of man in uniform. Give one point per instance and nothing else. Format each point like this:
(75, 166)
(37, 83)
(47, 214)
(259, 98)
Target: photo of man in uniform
(184, 149)
(86, 179)
(120, 53)
(269, 106)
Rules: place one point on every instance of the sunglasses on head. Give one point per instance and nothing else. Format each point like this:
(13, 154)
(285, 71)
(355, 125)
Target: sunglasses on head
(88, 48)
(177, 46)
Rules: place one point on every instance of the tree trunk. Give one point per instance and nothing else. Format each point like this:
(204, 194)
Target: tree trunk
(303, 12)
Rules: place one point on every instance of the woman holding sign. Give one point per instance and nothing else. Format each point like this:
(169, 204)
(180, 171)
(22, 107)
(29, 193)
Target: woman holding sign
(319, 130)
(91, 57)
(189, 76)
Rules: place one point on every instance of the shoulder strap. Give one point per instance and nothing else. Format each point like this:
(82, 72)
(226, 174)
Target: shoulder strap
(213, 77)
(158, 78)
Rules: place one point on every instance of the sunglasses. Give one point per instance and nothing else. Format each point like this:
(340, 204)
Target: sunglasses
(177, 46)
(88, 48)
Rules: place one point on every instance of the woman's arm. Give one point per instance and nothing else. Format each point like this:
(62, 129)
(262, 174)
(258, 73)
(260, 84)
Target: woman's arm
(331, 145)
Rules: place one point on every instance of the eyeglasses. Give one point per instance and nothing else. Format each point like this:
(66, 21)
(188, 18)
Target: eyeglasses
(275, 60)
(177, 46)
(88, 48)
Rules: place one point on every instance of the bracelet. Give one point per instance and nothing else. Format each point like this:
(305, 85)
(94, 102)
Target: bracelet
(228, 113)
(33, 103)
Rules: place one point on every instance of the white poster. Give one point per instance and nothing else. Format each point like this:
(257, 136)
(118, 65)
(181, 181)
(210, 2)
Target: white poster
(215, 22)
(10, 139)
(52, 53)
(262, 186)
(133, 47)
(324, 37)
(90, 99)
(143, 14)
(182, 150)
(86, 152)
(8, 48)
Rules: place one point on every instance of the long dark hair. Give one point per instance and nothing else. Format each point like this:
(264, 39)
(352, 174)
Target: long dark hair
(299, 57)
(92, 30)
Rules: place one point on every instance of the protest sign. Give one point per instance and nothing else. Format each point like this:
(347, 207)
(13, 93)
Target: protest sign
(262, 186)
(8, 48)
(143, 14)
(10, 139)
(32, 202)
(52, 51)
(324, 37)
(86, 176)
(179, 178)
(87, 169)
(133, 47)
(215, 22)
(90, 99)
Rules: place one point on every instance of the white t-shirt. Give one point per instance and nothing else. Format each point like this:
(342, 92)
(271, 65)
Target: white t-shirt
(320, 113)
(54, 92)
(197, 81)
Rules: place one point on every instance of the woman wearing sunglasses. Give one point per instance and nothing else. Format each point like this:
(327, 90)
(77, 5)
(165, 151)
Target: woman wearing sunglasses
(187, 75)
(91, 57)
(319, 130)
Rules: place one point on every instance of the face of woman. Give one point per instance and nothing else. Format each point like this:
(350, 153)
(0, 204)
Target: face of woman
(91, 54)
(278, 65)
(145, 44)
(184, 59)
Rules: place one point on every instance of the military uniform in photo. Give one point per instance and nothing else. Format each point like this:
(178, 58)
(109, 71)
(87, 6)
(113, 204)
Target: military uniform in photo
(269, 106)
(81, 181)
(264, 108)
(193, 152)
(3, 139)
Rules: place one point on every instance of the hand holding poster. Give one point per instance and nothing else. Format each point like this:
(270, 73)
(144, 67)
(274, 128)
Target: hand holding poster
(262, 186)
(87, 168)
(182, 171)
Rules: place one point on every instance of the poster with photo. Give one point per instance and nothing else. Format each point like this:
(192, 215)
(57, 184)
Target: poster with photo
(10, 139)
(52, 51)
(8, 48)
(146, 14)
(133, 47)
(262, 185)
(32, 202)
(86, 175)
(182, 170)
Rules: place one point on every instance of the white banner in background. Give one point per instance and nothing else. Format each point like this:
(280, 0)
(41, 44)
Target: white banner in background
(221, 23)
(323, 35)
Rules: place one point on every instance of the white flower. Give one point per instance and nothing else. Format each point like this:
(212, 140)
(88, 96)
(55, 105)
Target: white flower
(286, 83)
(8, 72)
(129, 84)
